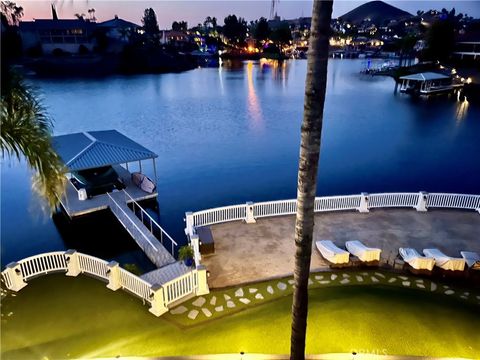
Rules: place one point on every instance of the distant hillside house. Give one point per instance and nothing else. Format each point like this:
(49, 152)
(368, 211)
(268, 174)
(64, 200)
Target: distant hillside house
(119, 29)
(65, 35)
(468, 47)
(174, 37)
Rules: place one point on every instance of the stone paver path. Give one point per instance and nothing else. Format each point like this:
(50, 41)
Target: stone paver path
(232, 300)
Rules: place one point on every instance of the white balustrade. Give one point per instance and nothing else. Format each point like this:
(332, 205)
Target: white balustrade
(134, 284)
(361, 203)
(16, 275)
(42, 264)
(386, 200)
(93, 266)
(455, 201)
(218, 215)
(178, 288)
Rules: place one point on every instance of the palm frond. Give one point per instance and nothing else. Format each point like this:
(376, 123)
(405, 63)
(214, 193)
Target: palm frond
(25, 132)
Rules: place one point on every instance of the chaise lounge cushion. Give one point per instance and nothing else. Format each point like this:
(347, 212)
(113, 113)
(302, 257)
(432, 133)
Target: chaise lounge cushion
(415, 260)
(445, 262)
(364, 253)
(472, 259)
(331, 252)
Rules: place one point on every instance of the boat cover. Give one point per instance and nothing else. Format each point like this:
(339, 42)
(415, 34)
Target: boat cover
(415, 260)
(363, 252)
(143, 182)
(331, 252)
(444, 261)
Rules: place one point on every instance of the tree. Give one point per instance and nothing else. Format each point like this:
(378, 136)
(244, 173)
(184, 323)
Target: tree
(25, 127)
(235, 30)
(311, 131)
(150, 25)
(180, 26)
(261, 30)
(11, 13)
(281, 35)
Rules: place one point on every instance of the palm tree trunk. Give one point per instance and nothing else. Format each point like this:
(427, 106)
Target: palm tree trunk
(315, 87)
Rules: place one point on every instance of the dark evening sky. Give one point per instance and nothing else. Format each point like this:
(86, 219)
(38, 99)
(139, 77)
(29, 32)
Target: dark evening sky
(196, 11)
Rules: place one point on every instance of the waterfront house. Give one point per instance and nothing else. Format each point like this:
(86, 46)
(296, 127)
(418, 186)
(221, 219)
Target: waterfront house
(118, 29)
(65, 35)
(467, 47)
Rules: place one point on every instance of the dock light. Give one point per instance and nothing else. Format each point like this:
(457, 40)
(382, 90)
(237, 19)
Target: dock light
(454, 71)
(469, 80)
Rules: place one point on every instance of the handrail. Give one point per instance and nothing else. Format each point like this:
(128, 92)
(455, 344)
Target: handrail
(135, 225)
(152, 221)
(363, 202)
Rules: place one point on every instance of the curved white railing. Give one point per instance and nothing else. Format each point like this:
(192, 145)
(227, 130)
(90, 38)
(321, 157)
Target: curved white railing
(362, 203)
(72, 263)
(39, 265)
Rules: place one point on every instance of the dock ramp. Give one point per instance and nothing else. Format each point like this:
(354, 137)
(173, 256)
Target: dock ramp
(142, 235)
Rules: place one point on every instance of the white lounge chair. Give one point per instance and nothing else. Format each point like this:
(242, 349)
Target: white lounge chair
(415, 260)
(331, 252)
(364, 253)
(472, 259)
(445, 262)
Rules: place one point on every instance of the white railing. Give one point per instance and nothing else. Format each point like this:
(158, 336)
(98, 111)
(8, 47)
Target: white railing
(43, 264)
(334, 203)
(129, 224)
(154, 228)
(393, 200)
(362, 203)
(454, 201)
(179, 287)
(17, 274)
(274, 208)
(92, 265)
(218, 215)
(135, 285)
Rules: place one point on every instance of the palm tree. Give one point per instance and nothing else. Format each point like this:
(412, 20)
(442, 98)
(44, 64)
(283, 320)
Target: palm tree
(25, 131)
(315, 88)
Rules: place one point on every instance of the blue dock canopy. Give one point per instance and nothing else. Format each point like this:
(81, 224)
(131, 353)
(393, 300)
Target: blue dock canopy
(93, 149)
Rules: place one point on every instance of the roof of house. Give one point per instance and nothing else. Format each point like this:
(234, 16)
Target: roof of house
(48, 24)
(425, 76)
(93, 149)
(118, 23)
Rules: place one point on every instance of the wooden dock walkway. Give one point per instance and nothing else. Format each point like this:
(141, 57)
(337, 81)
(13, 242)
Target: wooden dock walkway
(150, 245)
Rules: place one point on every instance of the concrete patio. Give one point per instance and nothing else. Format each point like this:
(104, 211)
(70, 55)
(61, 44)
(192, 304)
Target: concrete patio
(252, 252)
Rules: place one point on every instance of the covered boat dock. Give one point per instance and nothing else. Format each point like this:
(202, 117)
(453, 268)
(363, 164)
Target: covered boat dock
(100, 149)
(428, 83)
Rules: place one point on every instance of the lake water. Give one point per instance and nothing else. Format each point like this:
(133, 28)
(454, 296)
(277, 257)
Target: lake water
(230, 135)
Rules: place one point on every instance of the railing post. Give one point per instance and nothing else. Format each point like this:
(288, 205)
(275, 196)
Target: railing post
(14, 272)
(363, 208)
(195, 241)
(422, 201)
(73, 265)
(249, 218)
(189, 227)
(157, 300)
(202, 284)
(113, 274)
